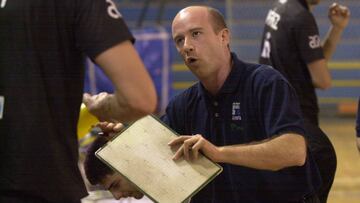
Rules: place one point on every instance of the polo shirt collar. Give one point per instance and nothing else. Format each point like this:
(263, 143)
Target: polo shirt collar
(232, 81)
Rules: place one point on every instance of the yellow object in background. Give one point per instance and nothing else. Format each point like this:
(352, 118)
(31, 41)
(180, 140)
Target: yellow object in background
(86, 122)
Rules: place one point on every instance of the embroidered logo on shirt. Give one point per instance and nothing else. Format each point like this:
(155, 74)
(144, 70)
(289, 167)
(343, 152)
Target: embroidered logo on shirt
(314, 41)
(273, 19)
(3, 3)
(236, 111)
(112, 10)
(2, 103)
(235, 127)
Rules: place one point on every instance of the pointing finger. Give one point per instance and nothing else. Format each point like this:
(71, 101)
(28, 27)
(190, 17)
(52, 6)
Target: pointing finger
(178, 140)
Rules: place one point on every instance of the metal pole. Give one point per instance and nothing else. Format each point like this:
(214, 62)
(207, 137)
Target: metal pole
(143, 13)
(161, 11)
(229, 13)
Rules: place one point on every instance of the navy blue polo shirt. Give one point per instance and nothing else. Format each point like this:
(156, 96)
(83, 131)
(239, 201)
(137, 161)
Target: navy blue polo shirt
(255, 103)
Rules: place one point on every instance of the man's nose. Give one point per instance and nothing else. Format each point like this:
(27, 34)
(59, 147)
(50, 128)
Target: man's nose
(188, 46)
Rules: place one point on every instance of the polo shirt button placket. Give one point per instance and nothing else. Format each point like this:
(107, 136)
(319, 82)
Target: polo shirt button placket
(217, 123)
(216, 114)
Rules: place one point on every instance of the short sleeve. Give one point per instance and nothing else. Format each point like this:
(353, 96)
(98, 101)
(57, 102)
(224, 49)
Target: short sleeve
(278, 104)
(99, 26)
(307, 37)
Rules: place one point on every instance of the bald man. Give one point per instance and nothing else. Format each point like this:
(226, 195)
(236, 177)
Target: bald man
(243, 116)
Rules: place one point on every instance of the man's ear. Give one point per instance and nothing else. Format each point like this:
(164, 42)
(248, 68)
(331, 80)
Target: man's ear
(225, 36)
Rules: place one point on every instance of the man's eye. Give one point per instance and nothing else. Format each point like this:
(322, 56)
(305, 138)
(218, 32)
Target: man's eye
(179, 41)
(196, 33)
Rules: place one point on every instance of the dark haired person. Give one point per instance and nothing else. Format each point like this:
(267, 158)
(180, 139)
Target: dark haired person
(291, 44)
(98, 173)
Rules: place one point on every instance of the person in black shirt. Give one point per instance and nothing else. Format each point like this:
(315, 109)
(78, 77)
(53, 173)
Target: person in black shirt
(291, 44)
(43, 43)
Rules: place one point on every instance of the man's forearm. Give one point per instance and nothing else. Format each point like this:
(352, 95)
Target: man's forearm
(120, 110)
(331, 40)
(284, 151)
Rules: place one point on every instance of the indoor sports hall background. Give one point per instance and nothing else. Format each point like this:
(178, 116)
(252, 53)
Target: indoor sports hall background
(150, 21)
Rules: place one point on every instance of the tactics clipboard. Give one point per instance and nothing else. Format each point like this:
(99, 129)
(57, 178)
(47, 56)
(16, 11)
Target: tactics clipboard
(140, 153)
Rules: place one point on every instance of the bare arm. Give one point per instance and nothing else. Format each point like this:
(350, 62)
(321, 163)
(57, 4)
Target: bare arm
(283, 151)
(135, 94)
(320, 74)
(339, 17)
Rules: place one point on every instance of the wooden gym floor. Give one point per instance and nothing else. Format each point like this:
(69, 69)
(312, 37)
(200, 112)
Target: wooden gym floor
(341, 131)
